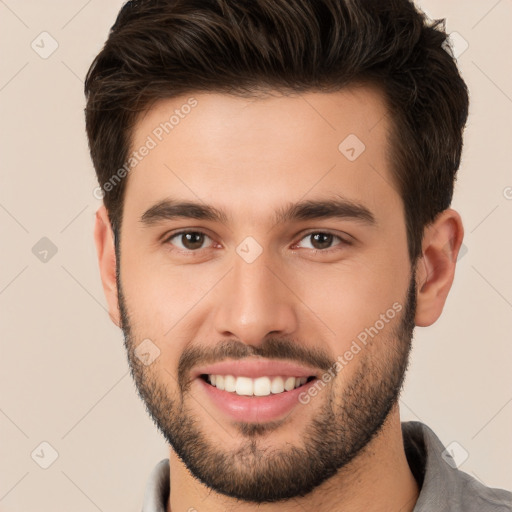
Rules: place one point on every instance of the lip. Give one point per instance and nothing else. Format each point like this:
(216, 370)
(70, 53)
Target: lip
(255, 368)
(254, 409)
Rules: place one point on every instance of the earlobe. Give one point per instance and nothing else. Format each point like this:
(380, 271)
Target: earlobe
(436, 267)
(105, 250)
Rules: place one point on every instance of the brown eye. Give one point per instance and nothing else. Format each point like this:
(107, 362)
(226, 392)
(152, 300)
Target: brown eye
(322, 241)
(189, 240)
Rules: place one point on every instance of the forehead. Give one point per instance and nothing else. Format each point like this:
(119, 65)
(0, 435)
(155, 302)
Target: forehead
(244, 153)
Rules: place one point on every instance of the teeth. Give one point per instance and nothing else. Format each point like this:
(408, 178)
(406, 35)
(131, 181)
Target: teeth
(230, 383)
(277, 385)
(217, 380)
(261, 386)
(244, 386)
(289, 383)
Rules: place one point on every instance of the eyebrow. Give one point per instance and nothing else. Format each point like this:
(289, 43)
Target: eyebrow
(342, 208)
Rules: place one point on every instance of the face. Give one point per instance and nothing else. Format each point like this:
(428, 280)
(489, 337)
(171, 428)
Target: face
(263, 269)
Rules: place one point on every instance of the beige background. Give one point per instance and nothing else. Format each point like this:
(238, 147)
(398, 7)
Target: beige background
(63, 373)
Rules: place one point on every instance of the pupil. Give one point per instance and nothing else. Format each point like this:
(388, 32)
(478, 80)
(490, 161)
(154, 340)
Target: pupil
(322, 239)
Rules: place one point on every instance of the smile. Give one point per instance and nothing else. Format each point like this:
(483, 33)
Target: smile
(260, 386)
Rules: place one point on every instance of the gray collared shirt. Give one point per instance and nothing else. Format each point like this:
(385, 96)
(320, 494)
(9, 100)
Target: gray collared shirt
(443, 487)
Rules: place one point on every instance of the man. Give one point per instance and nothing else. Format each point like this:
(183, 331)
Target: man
(276, 177)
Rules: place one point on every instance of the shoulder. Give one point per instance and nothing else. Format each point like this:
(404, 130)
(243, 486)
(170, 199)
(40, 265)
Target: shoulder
(443, 486)
(476, 496)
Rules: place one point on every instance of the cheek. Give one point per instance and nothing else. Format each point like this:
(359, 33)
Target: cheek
(348, 299)
(162, 301)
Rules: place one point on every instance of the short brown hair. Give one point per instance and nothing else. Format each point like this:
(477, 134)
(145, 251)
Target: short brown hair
(164, 48)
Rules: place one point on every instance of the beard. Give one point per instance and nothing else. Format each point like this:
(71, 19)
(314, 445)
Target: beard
(348, 419)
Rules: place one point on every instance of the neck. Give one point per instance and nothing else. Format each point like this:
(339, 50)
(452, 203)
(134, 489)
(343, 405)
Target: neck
(379, 478)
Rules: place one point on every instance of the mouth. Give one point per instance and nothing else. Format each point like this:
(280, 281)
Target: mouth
(254, 389)
(259, 386)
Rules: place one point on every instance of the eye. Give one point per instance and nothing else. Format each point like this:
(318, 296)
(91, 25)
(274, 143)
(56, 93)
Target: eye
(188, 240)
(322, 241)
(193, 241)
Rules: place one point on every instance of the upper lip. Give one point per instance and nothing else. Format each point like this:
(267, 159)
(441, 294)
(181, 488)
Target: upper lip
(255, 368)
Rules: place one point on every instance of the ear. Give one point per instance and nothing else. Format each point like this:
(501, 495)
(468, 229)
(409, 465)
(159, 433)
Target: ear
(105, 249)
(436, 267)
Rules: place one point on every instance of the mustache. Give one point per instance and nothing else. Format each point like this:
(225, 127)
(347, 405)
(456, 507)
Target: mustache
(271, 348)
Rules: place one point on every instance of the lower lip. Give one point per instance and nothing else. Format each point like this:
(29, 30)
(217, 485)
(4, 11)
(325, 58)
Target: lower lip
(254, 409)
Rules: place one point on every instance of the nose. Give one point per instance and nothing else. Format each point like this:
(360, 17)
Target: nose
(254, 302)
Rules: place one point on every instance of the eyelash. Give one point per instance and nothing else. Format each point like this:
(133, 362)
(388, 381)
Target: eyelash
(343, 242)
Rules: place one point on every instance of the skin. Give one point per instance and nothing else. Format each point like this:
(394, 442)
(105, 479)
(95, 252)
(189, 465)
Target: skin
(250, 157)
